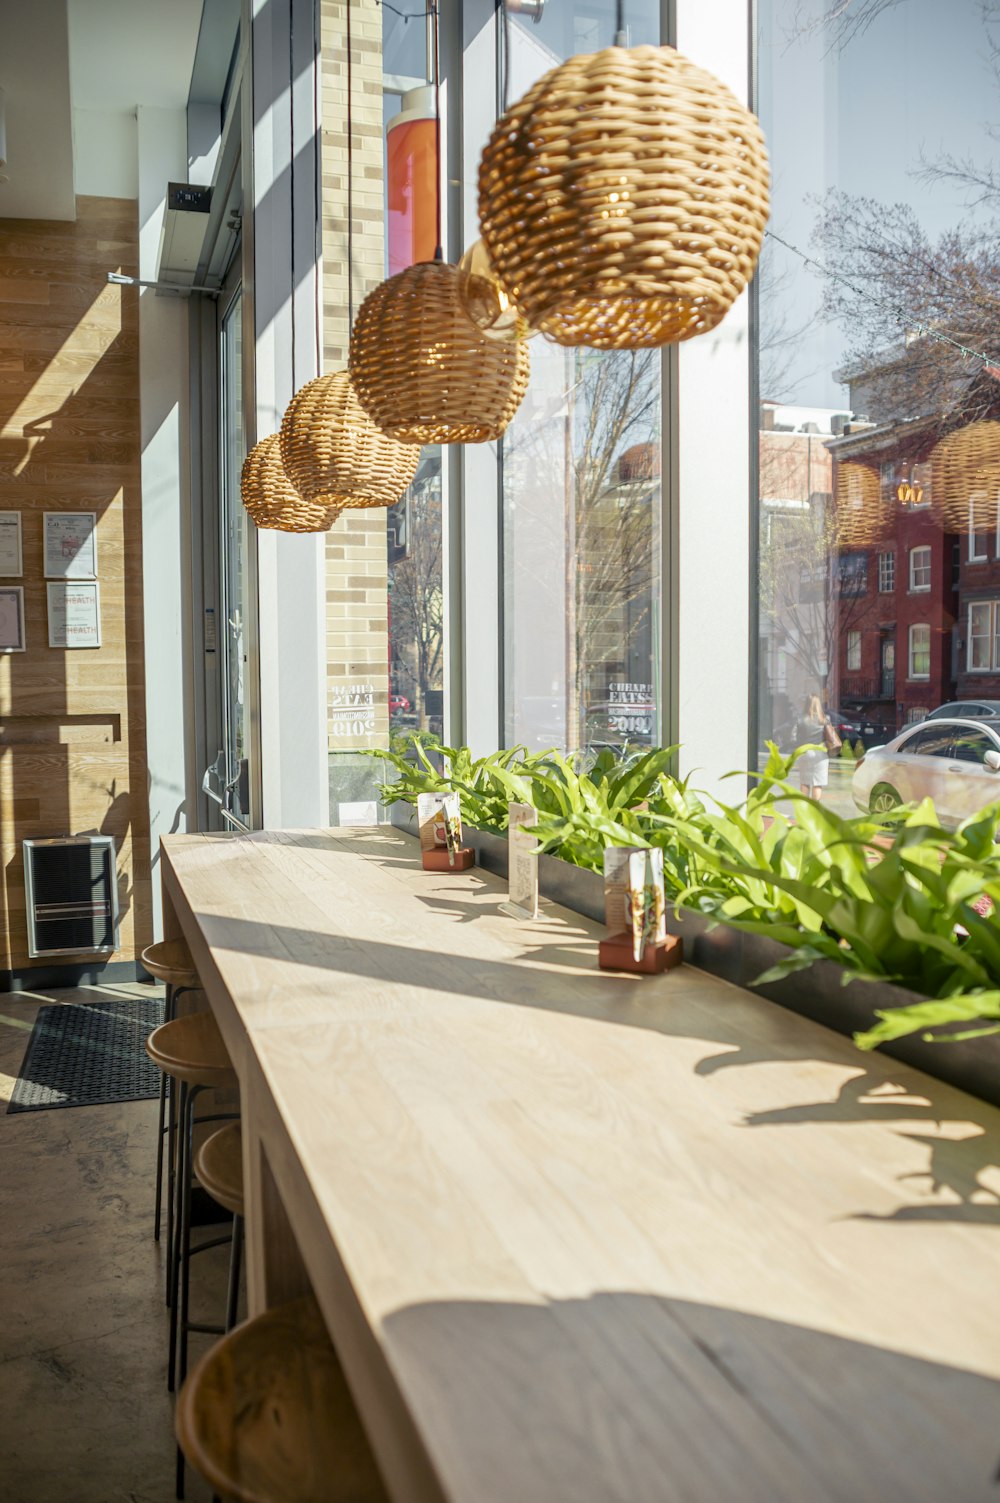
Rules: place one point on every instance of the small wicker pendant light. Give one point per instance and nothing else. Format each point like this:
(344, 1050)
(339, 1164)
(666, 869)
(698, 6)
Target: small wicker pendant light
(623, 199)
(486, 300)
(423, 370)
(334, 454)
(965, 478)
(861, 517)
(271, 498)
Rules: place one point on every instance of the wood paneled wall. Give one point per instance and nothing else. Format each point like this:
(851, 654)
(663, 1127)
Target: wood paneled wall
(72, 723)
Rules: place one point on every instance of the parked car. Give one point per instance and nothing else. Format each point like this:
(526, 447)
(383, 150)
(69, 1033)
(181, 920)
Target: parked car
(988, 709)
(856, 725)
(398, 704)
(954, 762)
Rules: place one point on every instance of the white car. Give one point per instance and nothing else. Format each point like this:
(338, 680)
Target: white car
(954, 762)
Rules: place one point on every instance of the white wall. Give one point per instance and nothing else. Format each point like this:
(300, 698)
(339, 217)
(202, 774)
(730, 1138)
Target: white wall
(166, 544)
(713, 438)
(106, 153)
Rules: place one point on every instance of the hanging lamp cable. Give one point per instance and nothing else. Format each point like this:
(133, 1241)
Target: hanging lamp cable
(436, 38)
(621, 35)
(350, 184)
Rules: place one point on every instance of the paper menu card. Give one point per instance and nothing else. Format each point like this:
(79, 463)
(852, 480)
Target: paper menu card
(634, 895)
(522, 899)
(439, 820)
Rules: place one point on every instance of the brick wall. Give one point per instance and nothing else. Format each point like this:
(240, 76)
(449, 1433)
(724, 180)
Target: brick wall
(356, 557)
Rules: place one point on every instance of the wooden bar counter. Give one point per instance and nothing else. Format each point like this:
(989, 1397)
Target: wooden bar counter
(587, 1238)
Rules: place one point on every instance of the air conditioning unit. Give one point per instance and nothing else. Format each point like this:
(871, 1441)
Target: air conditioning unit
(185, 220)
(71, 889)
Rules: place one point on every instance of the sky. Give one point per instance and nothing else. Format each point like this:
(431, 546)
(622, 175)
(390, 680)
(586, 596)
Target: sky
(857, 118)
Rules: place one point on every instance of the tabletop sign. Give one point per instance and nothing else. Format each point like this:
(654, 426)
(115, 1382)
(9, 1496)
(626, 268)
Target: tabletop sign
(635, 911)
(522, 899)
(70, 545)
(74, 614)
(11, 562)
(439, 820)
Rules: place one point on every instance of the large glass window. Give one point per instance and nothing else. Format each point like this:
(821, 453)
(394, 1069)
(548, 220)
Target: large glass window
(581, 492)
(878, 434)
(414, 524)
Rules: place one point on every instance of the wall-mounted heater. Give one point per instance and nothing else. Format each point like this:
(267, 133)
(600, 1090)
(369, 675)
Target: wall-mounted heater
(71, 890)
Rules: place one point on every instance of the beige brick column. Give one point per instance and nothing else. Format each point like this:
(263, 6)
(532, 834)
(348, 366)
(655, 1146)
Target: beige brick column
(356, 560)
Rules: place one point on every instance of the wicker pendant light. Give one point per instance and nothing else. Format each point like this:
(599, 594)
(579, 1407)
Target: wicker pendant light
(486, 300)
(861, 517)
(334, 455)
(965, 478)
(421, 368)
(623, 199)
(271, 498)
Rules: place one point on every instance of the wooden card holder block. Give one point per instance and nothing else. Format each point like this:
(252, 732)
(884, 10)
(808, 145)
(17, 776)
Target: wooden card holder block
(615, 954)
(437, 861)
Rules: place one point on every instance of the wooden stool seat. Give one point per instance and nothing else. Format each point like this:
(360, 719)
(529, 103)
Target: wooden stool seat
(170, 961)
(191, 1049)
(267, 1416)
(218, 1166)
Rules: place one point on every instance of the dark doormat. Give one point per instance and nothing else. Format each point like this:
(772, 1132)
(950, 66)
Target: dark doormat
(89, 1054)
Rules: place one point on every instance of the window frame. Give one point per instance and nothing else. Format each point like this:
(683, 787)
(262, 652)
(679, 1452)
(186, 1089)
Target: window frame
(887, 572)
(989, 636)
(853, 641)
(974, 533)
(911, 674)
(914, 587)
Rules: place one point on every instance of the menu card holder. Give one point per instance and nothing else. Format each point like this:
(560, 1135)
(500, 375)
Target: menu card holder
(439, 818)
(522, 863)
(635, 913)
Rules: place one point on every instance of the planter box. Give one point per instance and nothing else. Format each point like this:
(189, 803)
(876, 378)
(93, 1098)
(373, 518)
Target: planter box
(818, 993)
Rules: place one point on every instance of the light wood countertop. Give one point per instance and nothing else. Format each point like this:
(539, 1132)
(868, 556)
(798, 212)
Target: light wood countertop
(591, 1237)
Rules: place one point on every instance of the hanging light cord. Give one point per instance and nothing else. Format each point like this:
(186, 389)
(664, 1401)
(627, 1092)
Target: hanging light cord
(988, 362)
(436, 13)
(350, 184)
(621, 38)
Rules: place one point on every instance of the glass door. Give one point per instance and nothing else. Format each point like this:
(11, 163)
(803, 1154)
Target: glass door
(229, 781)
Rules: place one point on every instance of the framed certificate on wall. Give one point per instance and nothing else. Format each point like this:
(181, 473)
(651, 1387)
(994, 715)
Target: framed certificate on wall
(11, 618)
(74, 614)
(70, 544)
(11, 560)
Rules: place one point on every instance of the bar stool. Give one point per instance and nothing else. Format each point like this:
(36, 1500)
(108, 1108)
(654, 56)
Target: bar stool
(218, 1168)
(191, 1051)
(267, 1417)
(169, 960)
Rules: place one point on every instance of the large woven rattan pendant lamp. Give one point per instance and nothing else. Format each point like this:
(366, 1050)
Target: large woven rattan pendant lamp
(421, 368)
(623, 199)
(965, 478)
(271, 498)
(335, 455)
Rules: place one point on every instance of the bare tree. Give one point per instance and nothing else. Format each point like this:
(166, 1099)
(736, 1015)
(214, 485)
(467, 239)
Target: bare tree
(909, 305)
(417, 596)
(598, 450)
(840, 20)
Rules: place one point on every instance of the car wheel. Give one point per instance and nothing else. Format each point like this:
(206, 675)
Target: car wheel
(884, 799)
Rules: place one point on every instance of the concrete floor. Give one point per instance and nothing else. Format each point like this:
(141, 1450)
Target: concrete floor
(84, 1412)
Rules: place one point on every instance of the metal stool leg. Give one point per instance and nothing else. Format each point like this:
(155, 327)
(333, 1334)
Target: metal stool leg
(187, 1128)
(181, 1171)
(159, 1136)
(234, 1272)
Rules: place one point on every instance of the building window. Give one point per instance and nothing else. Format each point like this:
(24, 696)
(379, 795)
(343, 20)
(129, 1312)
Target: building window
(979, 527)
(854, 652)
(920, 652)
(984, 636)
(886, 573)
(920, 568)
